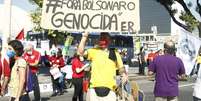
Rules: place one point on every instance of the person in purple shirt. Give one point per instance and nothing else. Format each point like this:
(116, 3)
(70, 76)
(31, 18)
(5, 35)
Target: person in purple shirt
(166, 68)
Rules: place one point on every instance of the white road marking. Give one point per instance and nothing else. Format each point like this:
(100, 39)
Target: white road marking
(180, 86)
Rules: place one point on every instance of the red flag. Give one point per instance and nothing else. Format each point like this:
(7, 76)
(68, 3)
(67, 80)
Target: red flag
(20, 36)
(5, 66)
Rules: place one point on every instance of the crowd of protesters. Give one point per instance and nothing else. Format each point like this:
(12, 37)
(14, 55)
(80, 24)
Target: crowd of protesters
(20, 65)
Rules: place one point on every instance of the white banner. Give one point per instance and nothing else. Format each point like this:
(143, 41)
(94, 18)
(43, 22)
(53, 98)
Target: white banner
(91, 15)
(188, 46)
(55, 72)
(68, 70)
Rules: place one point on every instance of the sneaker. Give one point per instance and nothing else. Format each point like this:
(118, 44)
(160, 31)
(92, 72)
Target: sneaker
(61, 93)
(54, 94)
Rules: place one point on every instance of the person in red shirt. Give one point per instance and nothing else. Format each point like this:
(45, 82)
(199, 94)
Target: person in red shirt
(4, 73)
(78, 74)
(32, 57)
(150, 58)
(57, 61)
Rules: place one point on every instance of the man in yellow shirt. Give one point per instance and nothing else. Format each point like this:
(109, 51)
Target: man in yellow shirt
(104, 63)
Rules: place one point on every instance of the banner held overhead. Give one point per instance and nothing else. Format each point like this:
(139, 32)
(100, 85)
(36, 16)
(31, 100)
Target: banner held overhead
(91, 15)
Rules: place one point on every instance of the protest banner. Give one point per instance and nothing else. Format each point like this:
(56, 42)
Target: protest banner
(91, 15)
(55, 72)
(187, 50)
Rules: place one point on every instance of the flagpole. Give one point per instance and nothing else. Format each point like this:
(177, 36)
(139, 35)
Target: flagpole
(8, 14)
(7, 24)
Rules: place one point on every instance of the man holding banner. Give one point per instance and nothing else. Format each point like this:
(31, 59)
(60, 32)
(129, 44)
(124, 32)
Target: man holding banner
(104, 63)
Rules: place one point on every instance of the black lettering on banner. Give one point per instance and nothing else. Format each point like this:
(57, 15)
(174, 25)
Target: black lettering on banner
(92, 20)
(101, 23)
(98, 4)
(87, 21)
(114, 21)
(131, 6)
(72, 4)
(76, 22)
(123, 26)
(122, 4)
(54, 4)
(77, 4)
(83, 21)
(92, 5)
(115, 5)
(69, 4)
(59, 20)
(130, 26)
(106, 22)
(84, 5)
(68, 20)
(110, 5)
(89, 5)
(104, 5)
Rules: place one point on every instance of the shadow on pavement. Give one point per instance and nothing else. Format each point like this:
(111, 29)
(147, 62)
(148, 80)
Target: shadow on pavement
(45, 99)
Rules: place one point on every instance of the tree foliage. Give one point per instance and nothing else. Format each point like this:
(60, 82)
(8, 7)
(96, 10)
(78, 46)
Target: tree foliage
(38, 2)
(36, 19)
(190, 21)
(55, 36)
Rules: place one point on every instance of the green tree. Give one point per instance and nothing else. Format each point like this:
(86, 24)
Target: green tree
(190, 20)
(55, 36)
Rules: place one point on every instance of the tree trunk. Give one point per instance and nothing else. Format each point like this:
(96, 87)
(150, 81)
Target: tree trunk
(199, 29)
(174, 19)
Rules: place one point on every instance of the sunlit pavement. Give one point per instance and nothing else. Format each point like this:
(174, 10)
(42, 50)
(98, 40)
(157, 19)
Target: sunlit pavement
(145, 84)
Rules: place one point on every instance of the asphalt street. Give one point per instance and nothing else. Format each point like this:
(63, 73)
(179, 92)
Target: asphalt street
(185, 87)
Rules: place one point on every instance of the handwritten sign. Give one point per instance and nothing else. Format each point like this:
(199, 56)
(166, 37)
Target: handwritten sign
(91, 15)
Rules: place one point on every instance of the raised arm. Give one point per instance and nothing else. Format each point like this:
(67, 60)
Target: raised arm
(82, 43)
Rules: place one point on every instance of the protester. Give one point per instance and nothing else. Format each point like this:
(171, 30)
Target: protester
(53, 48)
(32, 57)
(166, 68)
(51, 59)
(57, 61)
(151, 56)
(141, 60)
(78, 74)
(4, 73)
(124, 58)
(104, 63)
(159, 52)
(197, 87)
(18, 72)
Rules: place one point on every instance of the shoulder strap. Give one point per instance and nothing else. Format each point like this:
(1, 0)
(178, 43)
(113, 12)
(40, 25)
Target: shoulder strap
(112, 54)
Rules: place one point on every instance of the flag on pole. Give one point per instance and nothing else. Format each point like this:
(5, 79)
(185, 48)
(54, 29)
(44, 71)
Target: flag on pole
(5, 65)
(20, 35)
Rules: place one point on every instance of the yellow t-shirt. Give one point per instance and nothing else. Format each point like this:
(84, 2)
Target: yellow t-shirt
(198, 59)
(103, 69)
(14, 80)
